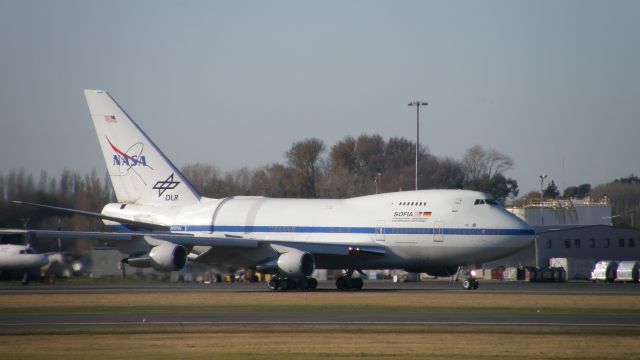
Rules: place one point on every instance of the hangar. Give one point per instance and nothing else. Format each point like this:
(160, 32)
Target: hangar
(573, 228)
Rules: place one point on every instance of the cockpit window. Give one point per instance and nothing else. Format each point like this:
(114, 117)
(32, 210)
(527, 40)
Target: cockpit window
(479, 202)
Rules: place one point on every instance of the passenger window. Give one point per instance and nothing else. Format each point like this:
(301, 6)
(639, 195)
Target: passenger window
(632, 243)
(567, 244)
(549, 244)
(576, 243)
(621, 243)
(607, 243)
(592, 243)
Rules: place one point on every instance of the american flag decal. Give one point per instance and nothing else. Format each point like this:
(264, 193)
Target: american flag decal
(110, 119)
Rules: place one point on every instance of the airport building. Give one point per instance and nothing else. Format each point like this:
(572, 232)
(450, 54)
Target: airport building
(573, 228)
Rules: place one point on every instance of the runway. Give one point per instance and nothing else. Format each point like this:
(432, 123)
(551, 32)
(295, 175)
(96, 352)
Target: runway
(430, 286)
(322, 318)
(333, 315)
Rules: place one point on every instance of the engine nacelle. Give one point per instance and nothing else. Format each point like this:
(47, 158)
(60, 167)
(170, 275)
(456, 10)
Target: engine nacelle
(165, 257)
(168, 257)
(296, 264)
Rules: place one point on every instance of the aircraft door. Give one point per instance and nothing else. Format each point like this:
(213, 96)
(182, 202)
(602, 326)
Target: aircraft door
(456, 205)
(438, 232)
(379, 231)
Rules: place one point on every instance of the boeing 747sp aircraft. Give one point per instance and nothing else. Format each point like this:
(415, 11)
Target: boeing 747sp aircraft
(161, 221)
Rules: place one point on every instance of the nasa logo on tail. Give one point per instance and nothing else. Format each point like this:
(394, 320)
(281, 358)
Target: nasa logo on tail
(165, 185)
(133, 156)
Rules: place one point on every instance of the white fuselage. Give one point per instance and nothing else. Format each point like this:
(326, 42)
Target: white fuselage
(19, 257)
(419, 229)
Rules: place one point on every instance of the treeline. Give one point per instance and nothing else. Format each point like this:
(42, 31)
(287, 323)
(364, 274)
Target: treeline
(359, 166)
(71, 189)
(624, 195)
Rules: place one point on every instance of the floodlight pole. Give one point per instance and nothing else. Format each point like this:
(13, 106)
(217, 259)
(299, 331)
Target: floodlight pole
(417, 104)
(542, 177)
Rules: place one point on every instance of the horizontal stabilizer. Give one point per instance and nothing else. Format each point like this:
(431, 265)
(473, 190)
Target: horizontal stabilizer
(137, 224)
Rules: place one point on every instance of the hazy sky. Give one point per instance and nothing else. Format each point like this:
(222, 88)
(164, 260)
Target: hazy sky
(236, 83)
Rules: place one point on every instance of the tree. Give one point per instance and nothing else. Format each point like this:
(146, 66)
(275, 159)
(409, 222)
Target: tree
(551, 191)
(343, 155)
(629, 179)
(498, 185)
(304, 156)
(570, 192)
(577, 191)
(583, 190)
(276, 180)
(478, 162)
(483, 171)
(624, 197)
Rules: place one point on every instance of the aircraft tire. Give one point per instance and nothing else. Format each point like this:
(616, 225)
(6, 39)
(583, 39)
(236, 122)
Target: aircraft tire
(340, 283)
(475, 284)
(358, 284)
(284, 284)
(349, 283)
(313, 283)
(304, 284)
(273, 284)
(466, 284)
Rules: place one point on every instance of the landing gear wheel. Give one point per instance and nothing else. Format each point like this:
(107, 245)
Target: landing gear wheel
(287, 284)
(273, 284)
(346, 282)
(25, 279)
(303, 284)
(313, 283)
(358, 283)
(466, 284)
(474, 284)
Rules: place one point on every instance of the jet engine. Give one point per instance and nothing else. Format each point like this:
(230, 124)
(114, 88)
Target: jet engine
(165, 257)
(296, 264)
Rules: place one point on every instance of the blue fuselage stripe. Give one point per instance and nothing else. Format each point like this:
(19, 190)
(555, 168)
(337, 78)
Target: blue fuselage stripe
(342, 230)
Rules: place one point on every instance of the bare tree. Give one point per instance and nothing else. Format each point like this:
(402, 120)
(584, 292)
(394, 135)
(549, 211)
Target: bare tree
(478, 163)
(304, 156)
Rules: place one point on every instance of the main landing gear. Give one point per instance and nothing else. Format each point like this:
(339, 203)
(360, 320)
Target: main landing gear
(470, 284)
(469, 281)
(282, 283)
(348, 282)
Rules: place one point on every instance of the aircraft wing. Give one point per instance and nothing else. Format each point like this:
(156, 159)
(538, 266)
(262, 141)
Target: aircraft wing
(335, 249)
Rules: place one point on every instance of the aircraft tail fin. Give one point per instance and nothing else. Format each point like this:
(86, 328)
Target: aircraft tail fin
(139, 171)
